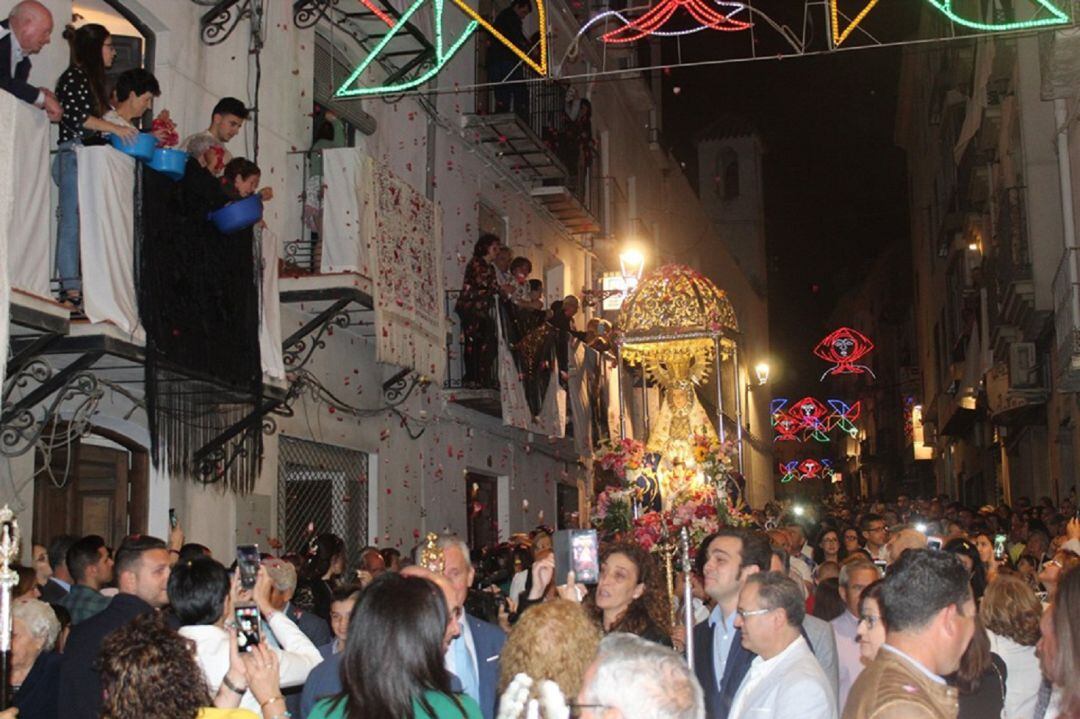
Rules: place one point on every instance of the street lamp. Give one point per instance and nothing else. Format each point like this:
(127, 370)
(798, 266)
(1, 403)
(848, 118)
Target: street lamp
(631, 263)
(761, 369)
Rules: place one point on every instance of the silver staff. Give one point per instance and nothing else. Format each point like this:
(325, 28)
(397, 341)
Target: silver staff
(688, 596)
(9, 555)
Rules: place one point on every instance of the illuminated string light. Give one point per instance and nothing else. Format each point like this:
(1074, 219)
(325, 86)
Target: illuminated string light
(810, 419)
(541, 67)
(1057, 17)
(802, 470)
(378, 12)
(844, 348)
(441, 56)
(618, 15)
(651, 21)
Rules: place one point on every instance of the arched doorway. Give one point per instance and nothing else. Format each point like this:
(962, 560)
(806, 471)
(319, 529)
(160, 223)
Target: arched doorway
(98, 484)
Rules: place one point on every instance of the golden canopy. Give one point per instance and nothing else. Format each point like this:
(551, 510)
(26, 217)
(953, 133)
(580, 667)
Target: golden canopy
(673, 314)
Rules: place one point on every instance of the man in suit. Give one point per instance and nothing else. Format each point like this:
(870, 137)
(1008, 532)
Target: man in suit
(60, 582)
(785, 681)
(25, 31)
(142, 576)
(729, 557)
(473, 656)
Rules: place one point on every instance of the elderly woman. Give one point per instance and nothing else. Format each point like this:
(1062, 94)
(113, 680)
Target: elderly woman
(1010, 611)
(34, 666)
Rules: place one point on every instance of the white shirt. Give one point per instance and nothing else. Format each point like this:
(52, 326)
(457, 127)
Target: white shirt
(1022, 678)
(297, 657)
(791, 685)
(848, 655)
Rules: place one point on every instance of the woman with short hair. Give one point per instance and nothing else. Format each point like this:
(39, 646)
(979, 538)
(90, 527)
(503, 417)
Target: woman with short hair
(35, 667)
(1010, 611)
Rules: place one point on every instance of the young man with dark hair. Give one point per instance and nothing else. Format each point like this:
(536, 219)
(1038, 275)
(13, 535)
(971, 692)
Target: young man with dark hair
(60, 582)
(875, 531)
(929, 612)
(91, 566)
(226, 120)
(142, 573)
(726, 558)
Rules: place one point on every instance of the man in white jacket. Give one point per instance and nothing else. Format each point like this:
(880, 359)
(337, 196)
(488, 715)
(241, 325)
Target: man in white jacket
(203, 598)
(785, 680)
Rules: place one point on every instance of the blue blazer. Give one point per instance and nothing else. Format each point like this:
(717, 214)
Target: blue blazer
(14, 79)
(718, 698)
(488, 640)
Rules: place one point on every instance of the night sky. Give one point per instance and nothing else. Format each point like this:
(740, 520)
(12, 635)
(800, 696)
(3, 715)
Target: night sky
(835, 183)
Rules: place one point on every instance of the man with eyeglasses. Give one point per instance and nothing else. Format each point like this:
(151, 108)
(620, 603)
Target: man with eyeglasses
(855, 576)
(785, 679)
(929, 613)
(876, 533)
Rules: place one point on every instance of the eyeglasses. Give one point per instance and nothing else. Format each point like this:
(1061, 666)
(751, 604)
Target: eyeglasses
(879, 529)
(830, 540)
(869, 620)
(744, 613)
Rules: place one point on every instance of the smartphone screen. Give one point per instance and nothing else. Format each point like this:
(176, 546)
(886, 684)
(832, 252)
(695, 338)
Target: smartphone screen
(247, 561)
(247, 627)
(999, 546)
(881, 564)
(933, 542)
(585, 557)
(172, 518)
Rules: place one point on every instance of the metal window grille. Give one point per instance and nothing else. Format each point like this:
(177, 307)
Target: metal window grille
(322, 488)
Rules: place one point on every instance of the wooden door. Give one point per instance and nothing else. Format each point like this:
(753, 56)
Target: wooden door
(90, 489)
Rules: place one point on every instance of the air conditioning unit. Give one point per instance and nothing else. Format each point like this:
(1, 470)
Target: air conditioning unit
(1023, 366)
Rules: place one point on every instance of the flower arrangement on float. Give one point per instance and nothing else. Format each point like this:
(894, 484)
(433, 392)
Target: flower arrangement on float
(693, 494)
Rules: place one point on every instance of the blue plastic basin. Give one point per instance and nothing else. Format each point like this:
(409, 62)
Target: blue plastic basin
(169, 162)
(239, 215)
(141, 149)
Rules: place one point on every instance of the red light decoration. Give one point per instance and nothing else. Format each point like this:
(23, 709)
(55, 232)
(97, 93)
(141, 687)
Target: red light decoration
(653, 20)
(802, 470)
(844, 348)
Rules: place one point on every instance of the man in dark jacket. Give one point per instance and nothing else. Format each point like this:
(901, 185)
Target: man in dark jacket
(142, 575)
(721, 662)
(25, 31)
(503, 65)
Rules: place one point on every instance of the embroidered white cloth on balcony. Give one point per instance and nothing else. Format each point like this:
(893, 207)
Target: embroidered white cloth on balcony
(344, 246)
(551, 422)
(404, 239)
(107, 237)
(26, 158)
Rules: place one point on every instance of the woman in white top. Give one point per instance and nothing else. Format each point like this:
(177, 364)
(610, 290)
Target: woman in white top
(1011, 612)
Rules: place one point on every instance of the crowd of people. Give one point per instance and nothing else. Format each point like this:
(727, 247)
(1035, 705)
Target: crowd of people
(875, 610)
(89, 111)
(498, 287)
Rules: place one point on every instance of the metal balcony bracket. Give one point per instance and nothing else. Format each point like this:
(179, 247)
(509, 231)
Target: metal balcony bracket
(24, 355)
(299, 347)
(74, 388)
(214, 458)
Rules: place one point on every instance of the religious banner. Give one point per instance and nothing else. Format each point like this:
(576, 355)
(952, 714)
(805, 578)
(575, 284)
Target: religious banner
(403, 229)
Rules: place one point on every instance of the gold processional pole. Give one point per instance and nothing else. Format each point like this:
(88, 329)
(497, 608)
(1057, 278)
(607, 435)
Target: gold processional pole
(9, 553)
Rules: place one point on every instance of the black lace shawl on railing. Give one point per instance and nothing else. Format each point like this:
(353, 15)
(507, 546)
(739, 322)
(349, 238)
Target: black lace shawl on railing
(198, 301)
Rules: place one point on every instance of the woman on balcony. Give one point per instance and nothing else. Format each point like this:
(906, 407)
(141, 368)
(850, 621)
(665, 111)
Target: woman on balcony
(82, 94)
(474, 307)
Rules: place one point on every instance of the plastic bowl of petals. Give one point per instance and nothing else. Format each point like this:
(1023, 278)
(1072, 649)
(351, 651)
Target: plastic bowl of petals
(238, 215)
(141, 149)
(169, 162)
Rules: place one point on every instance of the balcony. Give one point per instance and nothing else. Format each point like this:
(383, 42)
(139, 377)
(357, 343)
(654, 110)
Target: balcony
(1067, 321)
(546, 147)
(523, 389)
(1011, 263)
